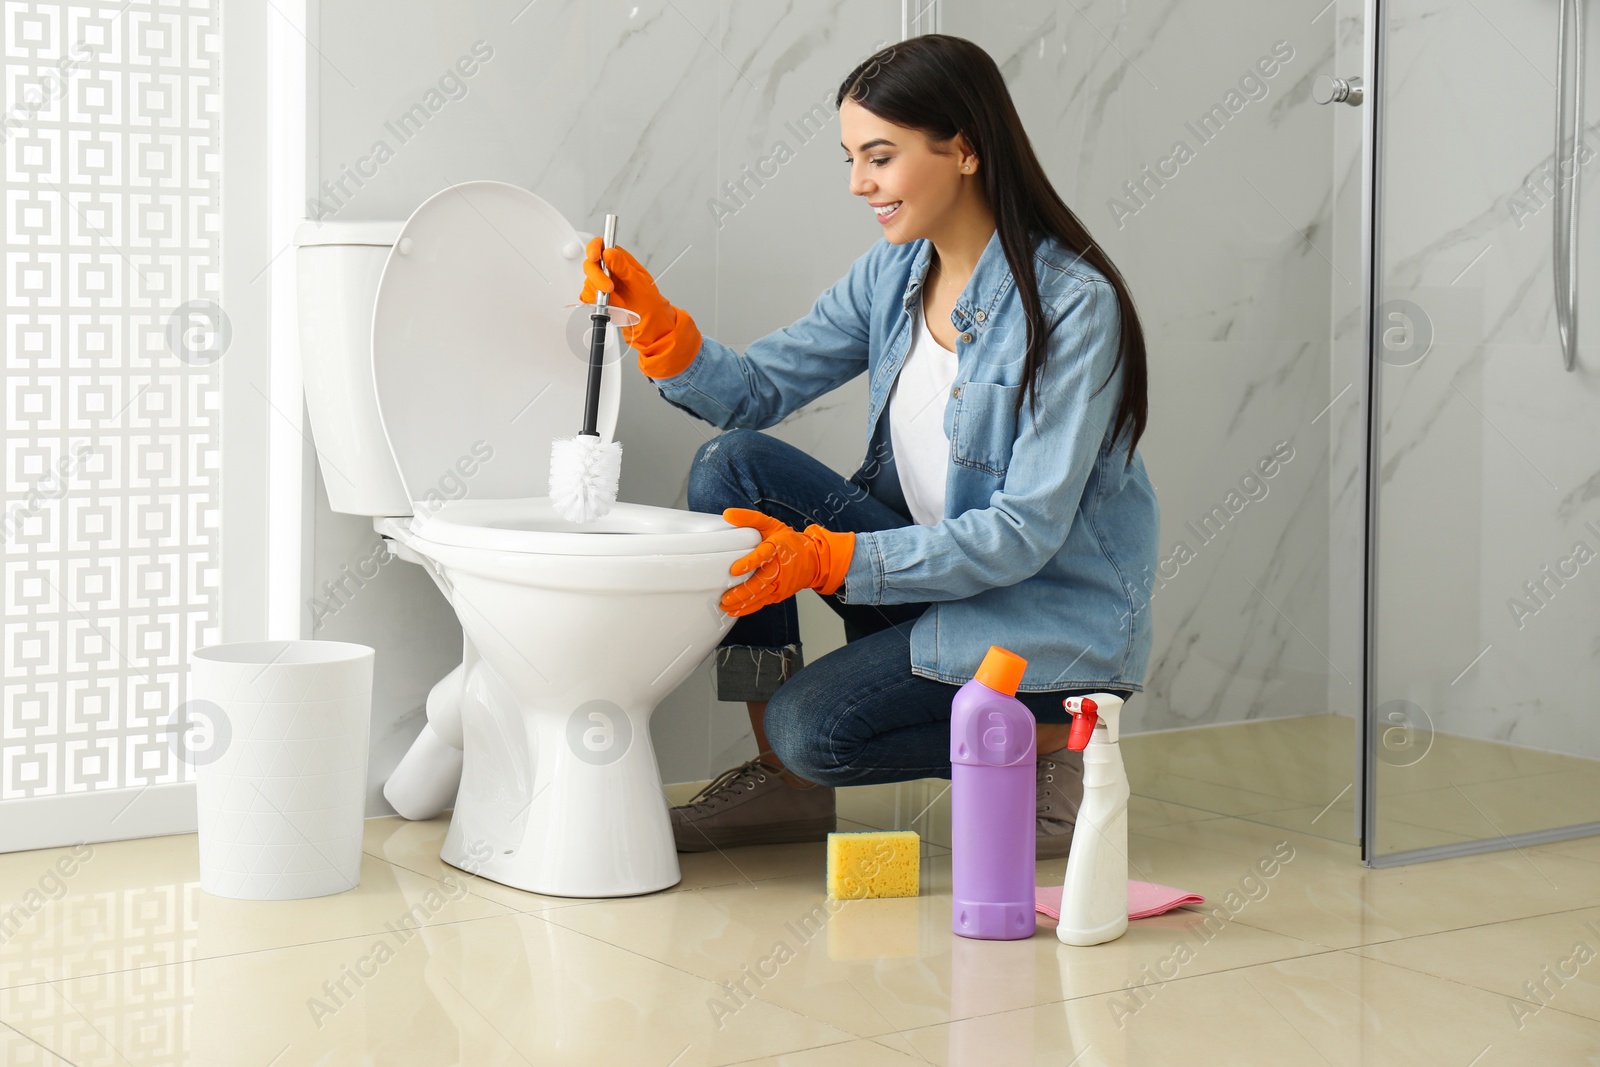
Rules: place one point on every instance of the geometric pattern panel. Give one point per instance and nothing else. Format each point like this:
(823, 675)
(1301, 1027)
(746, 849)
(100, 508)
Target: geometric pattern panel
(112, 332)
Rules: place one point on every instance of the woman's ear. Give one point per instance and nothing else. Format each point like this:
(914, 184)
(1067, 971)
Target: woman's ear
(965, 154)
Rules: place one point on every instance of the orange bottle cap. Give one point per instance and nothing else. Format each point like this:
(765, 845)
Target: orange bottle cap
(1001, 670)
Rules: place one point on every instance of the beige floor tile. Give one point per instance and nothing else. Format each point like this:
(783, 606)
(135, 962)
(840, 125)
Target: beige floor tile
(1196, 858)
(1503, 806)
(1451, 815)
(1296, 759)
(874, 967)
(1249, 840)
(1204, 796)
(512, 989)
(139, 903)
(125, 960)
(1335, 822)
(1464, 790)
(1329, 823)
(1146, 811)
(846, 1054)
(1266, 770)
(1539, 962)
(1396, 836)
(1467, 759)
(1336, 1009)
(1324, 895)
(1583, 848)
(1256, 831)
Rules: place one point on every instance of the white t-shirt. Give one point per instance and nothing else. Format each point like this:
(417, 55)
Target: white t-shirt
(916, 422)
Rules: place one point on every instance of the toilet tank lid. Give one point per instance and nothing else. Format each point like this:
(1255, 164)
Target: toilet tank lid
(382, 232)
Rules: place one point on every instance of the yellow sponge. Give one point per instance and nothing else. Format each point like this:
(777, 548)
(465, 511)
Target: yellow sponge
(876, 863)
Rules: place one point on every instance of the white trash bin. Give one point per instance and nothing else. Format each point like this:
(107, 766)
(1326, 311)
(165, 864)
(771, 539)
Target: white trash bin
(282, 785)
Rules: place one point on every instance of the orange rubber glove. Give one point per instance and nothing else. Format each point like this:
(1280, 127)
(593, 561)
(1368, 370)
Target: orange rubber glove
(665, 337)
(786, 561)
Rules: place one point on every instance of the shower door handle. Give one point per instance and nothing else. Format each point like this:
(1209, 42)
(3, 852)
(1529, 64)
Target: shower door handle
(1330, 90)
(1564, 239)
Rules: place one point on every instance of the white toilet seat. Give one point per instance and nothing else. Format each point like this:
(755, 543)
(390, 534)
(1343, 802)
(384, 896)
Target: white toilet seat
(532, 525)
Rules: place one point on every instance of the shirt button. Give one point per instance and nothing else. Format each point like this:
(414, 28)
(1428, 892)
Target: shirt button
(967, 337)
(956, 391)
(979, 315)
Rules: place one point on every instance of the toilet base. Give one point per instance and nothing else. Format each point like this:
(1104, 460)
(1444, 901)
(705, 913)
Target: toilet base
(509, 875)
(424, 783)
(575, 810)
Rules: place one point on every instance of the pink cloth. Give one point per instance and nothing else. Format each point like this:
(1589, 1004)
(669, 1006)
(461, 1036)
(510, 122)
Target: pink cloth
(1144, 899)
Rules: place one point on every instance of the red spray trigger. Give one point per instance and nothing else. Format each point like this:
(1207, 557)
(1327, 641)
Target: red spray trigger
(1084, 717)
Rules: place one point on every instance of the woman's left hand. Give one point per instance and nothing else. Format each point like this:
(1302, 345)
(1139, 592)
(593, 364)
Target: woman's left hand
(786, 561)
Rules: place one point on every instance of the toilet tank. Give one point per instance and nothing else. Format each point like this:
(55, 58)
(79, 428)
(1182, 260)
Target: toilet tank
(340, 264)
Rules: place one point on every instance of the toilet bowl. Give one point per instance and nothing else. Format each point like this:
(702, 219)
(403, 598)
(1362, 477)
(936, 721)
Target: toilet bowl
(439, 364)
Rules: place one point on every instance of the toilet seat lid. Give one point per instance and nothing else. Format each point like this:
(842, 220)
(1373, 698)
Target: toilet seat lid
(476, 362)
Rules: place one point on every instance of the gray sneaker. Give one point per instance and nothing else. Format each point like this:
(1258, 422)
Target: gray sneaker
(752, 805)
(1060, 782)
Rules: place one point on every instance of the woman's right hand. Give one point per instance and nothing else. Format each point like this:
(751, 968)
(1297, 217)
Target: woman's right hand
(665, 337)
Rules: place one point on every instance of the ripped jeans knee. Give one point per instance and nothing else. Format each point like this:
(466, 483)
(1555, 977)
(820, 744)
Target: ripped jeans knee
(748, 673)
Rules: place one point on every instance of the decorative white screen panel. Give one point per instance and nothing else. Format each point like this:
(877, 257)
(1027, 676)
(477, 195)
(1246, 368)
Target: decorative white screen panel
(112, 265)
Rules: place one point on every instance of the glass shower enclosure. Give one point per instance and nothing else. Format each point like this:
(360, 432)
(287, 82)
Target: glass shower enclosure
(1482, 481)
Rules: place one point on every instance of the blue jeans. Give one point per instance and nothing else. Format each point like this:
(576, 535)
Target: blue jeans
(857, 716)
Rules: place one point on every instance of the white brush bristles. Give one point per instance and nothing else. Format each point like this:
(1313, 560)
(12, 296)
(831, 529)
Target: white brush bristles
(584, 472)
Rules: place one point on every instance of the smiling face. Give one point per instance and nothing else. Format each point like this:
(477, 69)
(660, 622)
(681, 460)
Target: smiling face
(919, 186)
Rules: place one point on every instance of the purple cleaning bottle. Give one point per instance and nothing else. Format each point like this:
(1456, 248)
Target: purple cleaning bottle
(993, 803)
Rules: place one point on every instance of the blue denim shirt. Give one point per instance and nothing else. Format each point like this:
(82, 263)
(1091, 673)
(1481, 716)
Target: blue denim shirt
(1048, 540)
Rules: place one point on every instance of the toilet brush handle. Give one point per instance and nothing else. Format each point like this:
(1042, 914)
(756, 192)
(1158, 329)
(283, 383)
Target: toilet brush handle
(598, 322)
(603, 300)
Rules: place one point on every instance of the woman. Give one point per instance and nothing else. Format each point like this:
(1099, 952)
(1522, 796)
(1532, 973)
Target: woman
(1002, 500)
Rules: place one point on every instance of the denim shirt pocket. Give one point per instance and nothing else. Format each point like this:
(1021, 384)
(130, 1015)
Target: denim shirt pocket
(983, 428)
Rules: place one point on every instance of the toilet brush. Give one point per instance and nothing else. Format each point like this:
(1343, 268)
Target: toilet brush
(584, 470)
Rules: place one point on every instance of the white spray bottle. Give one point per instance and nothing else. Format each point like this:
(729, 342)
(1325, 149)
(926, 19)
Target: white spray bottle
(1094, 898)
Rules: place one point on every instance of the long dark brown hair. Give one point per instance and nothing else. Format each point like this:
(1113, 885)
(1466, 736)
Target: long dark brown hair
(942, 85)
